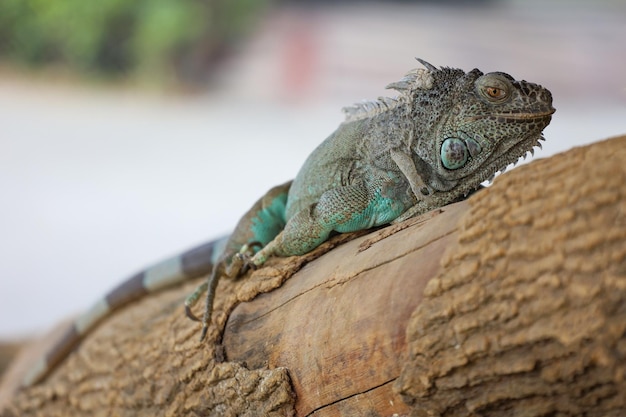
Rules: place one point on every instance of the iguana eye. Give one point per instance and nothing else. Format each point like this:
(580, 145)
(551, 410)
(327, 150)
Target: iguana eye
(494, 87)
(495, 92)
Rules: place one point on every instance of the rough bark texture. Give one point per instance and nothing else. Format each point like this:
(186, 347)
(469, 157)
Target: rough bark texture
(528, 314)
(510, 303)
(339, 324)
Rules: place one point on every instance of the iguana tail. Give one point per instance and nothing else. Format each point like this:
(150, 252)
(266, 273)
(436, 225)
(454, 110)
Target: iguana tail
(192, 264)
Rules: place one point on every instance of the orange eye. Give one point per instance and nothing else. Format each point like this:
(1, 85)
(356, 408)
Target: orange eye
(495, 92)
(494, 87)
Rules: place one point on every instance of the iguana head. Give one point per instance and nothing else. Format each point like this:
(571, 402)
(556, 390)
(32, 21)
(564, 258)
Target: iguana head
(477, 124)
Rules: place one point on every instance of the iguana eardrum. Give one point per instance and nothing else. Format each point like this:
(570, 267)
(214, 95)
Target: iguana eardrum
(392, 158)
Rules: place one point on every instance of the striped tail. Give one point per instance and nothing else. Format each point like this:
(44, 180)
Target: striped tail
(194, 263)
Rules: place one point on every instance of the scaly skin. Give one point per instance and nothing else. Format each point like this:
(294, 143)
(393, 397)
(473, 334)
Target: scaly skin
(447, 132)
(391, 159)
(432, 149)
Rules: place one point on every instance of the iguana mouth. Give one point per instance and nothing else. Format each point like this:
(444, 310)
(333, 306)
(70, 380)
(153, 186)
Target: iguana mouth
(512, 116)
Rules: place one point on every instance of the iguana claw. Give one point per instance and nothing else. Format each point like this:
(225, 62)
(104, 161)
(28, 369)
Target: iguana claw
(190, 314)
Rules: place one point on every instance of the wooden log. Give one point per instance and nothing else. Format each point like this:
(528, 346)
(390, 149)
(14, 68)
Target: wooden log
(528, 314)
(339, 326)
(510, 303)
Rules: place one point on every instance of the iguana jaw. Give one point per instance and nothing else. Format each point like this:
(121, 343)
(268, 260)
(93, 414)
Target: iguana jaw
(512, 116)
(512, 156)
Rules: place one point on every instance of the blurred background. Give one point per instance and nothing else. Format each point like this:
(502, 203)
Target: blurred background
(133, 130)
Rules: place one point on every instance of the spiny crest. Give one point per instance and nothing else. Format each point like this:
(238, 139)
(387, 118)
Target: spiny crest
(415, 79)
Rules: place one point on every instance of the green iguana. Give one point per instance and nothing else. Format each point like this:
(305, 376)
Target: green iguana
(444, 134)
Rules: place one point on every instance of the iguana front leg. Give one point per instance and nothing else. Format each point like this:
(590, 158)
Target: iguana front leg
(405, 163)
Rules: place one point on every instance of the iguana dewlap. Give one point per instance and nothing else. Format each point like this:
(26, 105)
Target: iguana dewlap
(392, 158)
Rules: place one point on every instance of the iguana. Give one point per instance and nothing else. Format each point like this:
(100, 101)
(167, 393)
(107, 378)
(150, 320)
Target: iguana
(444, 134)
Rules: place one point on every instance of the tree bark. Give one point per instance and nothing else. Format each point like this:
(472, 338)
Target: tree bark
(528, 314)
(512, 302)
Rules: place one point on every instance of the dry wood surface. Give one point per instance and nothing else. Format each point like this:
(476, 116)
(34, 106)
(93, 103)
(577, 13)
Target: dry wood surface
(512, 302)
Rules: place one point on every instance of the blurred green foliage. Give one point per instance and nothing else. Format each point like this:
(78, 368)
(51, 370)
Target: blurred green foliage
(147, 39)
